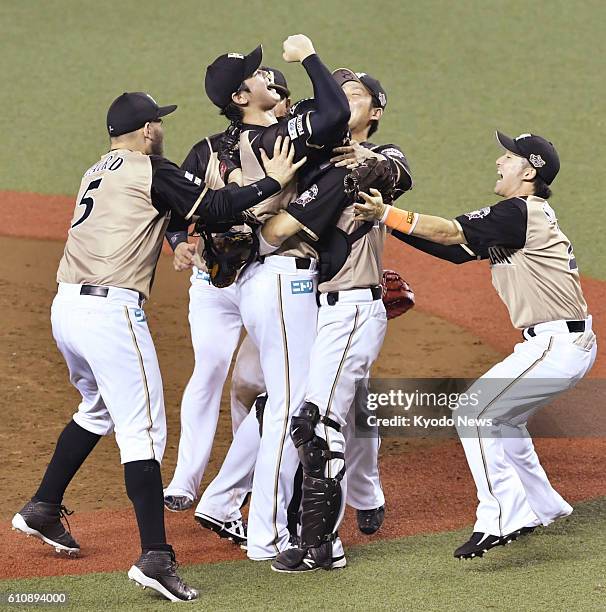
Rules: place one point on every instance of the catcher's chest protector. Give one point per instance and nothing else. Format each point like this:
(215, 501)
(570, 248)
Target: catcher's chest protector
(335, 248)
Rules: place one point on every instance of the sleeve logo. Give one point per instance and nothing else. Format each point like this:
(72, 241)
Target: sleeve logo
(307, 196)
(478, 214)
(292, 128)
(392, 152)
(295, 127)
(194, 179)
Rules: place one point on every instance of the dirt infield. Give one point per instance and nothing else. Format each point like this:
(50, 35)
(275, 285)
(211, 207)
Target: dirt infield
(459, 328)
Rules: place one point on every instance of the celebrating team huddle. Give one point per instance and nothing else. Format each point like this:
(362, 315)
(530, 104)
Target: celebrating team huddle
(290, 207)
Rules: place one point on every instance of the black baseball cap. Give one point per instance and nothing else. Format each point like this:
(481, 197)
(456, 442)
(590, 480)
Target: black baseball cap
(132, 110)
(540, 153)
(225, 75)
(278, 80)
(374, 87)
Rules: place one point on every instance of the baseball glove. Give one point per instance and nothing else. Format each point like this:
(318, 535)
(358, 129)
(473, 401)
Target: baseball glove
(398, 296)
(375, 173)
(227, 254)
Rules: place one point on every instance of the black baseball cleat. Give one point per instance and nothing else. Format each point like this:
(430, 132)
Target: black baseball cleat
(157, 569)
(304, 560)
(370, 521)
(525, 531)
(178, 503)
(231, 530)
(480, 543)
(43, 521)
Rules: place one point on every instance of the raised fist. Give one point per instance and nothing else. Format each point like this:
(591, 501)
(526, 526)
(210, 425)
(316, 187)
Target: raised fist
(297, 47)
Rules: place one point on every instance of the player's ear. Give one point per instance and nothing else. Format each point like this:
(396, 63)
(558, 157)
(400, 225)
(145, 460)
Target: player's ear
(529, 173)
(376, 114)
(240, 98)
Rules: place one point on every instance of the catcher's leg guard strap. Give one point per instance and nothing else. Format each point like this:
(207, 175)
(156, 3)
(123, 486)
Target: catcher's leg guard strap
(303, 425)
(321, 509)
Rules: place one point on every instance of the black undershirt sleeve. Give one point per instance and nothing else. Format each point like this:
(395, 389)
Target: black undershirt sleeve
(455, 253)
(195, 163)
(332, 108)
(188, 196)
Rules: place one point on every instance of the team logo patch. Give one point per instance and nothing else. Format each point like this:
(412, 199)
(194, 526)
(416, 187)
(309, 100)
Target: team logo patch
(391, 152)
(204, 276)
(537, 161)
(307, 196)
(139, 315)
(301, 286)
(478, 214)
(235, 56)
(382, 98)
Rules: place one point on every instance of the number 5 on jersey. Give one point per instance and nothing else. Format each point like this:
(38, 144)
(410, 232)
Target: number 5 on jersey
(87, 201)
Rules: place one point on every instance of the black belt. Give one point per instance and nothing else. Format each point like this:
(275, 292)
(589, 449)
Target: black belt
(301, 263)
(95, 290)
(574, 327)
(101, 291)
(332, 297)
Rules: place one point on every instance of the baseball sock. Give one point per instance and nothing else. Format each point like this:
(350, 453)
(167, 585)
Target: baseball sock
(73, 446)
(144, 488)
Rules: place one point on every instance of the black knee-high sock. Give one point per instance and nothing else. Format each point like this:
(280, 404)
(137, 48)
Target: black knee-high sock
(73, 447)
(144, 488)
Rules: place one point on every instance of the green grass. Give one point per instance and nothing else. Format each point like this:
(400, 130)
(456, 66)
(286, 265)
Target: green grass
(562, 567)
(453, 72)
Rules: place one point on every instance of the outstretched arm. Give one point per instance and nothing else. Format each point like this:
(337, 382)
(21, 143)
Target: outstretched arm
(436, 229)
(455, 253)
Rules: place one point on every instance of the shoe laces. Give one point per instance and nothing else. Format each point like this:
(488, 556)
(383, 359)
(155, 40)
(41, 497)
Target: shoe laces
(63, 514)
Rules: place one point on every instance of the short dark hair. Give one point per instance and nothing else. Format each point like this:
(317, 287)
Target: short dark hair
(541, 188)
(374, 126)
(233, 111)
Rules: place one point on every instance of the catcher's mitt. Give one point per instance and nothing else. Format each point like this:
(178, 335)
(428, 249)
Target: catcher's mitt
(398, 296)
(227, 254)
(375, 173)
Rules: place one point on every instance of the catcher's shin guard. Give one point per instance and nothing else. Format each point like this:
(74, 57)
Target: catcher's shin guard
(322, 496)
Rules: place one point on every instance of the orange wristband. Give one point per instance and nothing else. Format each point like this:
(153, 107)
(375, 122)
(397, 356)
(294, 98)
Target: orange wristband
(401, 220)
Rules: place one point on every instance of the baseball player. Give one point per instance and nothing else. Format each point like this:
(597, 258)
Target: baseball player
(277, 299)
(213, 345)
(274, 299)
(350, 332)
(122, 210)
(535, 273)
(224, 495)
